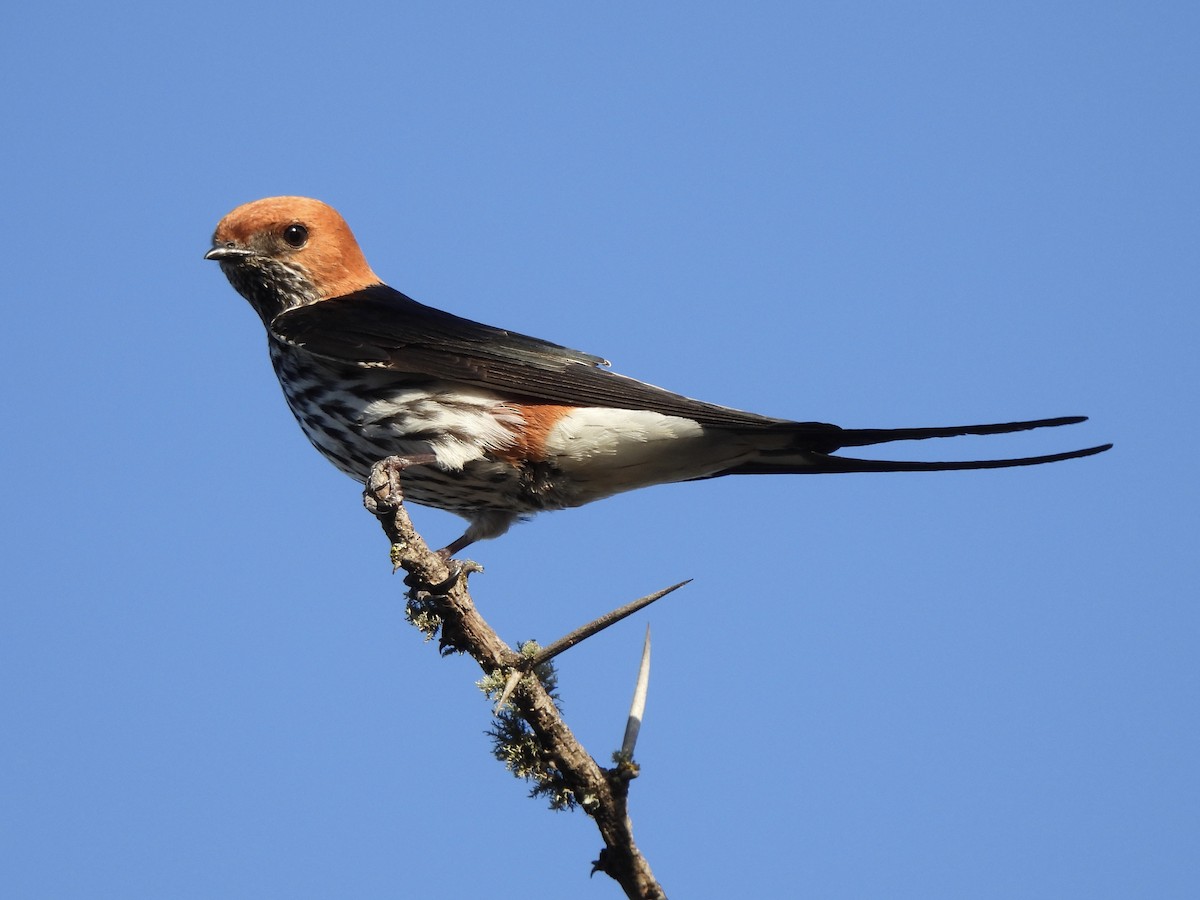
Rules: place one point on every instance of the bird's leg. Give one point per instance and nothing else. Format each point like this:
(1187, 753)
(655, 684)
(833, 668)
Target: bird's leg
(384, 480)
(454, 546)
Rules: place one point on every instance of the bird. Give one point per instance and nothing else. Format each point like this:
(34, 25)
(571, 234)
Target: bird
(490, 424)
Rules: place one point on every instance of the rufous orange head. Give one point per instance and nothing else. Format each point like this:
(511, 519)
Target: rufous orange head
(284, 252)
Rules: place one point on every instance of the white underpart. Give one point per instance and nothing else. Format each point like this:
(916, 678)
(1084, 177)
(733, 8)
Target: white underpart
(614, 450)
(467, 423)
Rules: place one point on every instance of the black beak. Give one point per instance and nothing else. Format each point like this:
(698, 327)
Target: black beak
(228, 254)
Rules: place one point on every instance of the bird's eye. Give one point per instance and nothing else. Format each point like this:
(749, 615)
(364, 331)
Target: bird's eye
(295, 235)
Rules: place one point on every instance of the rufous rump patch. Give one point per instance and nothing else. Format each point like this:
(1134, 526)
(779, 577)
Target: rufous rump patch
(539, 421)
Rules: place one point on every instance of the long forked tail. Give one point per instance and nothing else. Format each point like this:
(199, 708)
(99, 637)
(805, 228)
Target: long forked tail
(819, 460)
(823, 464)
(863, 437)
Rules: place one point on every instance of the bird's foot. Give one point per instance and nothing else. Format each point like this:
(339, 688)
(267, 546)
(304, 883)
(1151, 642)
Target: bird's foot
(383, 483)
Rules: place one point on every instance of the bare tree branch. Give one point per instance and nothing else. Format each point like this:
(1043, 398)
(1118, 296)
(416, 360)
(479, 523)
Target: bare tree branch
(439, 599)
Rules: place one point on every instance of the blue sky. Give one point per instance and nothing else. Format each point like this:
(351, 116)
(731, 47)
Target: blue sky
(955, 685)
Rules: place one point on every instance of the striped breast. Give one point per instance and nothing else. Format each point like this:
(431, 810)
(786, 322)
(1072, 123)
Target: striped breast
(356, 416)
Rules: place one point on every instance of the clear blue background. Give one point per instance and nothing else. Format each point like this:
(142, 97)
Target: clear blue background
(957, 685)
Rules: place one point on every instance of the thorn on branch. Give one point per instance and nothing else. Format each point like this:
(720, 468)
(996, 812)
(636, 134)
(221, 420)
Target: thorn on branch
(514, 678)
(637, 708)
(600, 862)
(597, 625)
